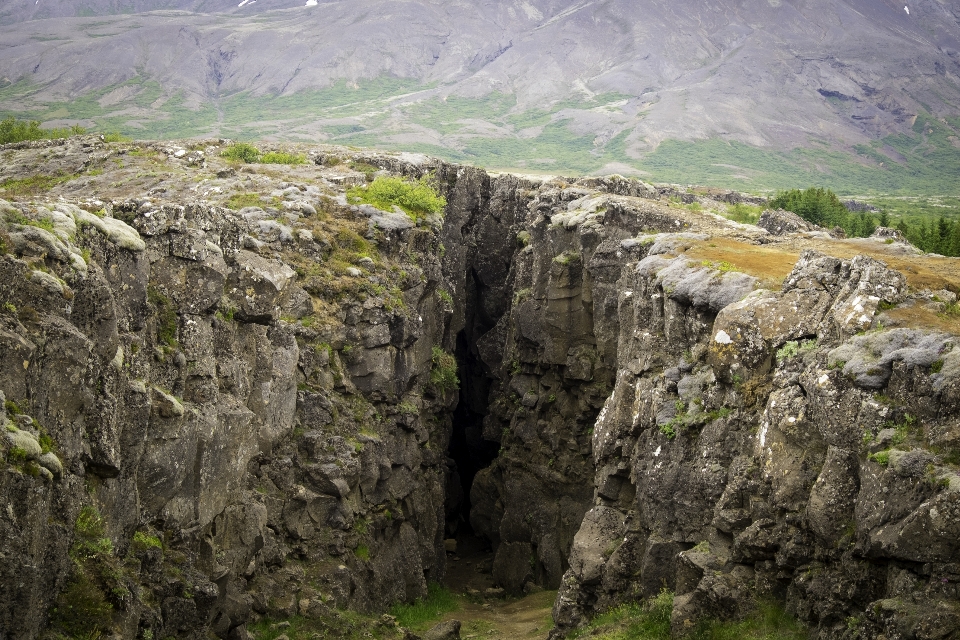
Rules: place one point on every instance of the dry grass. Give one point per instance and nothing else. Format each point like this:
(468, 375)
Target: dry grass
(769, 263)
(772, 262)
(922, 272)
(919, 317)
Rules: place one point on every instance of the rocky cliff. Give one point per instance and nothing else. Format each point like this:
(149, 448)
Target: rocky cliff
(233, 396)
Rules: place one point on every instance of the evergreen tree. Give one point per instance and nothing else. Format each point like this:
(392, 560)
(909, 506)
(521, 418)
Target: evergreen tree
(817, 205)
(884, 219)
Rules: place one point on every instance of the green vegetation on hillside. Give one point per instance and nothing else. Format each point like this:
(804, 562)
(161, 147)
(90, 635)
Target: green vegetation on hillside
(13, 130)
(494, 131)
(823, 207)
(247, 153)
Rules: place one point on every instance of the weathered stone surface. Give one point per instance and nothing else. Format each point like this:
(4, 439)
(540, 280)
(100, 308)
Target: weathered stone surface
(780, 222)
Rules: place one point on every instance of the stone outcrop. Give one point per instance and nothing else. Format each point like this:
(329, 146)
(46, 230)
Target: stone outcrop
(225, 414)
(779, 222)
(212, 416)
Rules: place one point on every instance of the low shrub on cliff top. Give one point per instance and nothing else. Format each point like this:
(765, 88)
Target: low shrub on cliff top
(241, 152)
(417, 199)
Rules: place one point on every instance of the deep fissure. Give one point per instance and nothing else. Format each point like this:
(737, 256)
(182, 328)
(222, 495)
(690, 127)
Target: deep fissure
(469, 450)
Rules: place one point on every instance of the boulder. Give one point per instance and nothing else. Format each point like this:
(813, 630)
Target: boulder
(779, 222)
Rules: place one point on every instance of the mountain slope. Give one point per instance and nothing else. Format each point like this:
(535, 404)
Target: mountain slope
(827, 88)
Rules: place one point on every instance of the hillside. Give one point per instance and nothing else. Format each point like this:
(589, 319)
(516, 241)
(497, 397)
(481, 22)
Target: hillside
(857, 95)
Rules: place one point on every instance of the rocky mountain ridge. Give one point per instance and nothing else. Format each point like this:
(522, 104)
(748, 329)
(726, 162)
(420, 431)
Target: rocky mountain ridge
(546, 85)
(225, 398)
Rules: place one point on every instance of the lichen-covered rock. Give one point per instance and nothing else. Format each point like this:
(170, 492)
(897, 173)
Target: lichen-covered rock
(780, 222)
(25, 442)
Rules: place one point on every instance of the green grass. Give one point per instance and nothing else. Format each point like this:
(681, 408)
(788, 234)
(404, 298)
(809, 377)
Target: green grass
(19, 187)
(343, 625)
(651, 621)
(423, 613)
(932, 161)
(417, 199)
(647, 621)
(238, 201)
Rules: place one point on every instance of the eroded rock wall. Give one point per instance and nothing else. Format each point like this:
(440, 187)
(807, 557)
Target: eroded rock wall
(239, 424)
(718, 440)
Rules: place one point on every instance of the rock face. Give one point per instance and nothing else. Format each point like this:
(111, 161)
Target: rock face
(212, 416)
(223, 419)
(778, 222)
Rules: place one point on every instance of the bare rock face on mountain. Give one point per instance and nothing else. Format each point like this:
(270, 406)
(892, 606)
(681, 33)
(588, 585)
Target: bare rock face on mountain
(215, 415)
(634, 73)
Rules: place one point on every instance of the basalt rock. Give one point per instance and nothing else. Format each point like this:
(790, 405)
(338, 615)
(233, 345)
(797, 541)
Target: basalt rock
(212, 416)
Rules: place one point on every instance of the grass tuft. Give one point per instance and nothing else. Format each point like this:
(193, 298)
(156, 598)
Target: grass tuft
(422, 613)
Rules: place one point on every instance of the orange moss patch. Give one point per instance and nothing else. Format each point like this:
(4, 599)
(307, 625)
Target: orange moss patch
(917, 317)
(770, 263)
(922, 272)
(773, 262)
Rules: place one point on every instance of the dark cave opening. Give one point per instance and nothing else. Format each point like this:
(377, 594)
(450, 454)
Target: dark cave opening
(468, 449)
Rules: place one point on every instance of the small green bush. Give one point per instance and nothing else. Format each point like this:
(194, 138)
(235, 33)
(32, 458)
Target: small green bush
(89, 523)
(17, 456)
(13, 130)
(443, 374)
(280, 157)
(167, 321)
(114, 136)
(788, 350)
(142, 541)
(241, 152)
(743, 213)
(418, 199)
(82, 610)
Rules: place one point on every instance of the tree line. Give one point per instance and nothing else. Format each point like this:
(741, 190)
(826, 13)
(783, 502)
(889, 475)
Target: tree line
(822, 207)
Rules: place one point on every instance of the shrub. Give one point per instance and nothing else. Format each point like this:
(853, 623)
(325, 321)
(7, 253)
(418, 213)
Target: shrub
(142, 541)
(166, 317)
(81, 610)
(241, 152)
(114, 136)
(12, 130)
(280, 157)
(744, 213)
(417, 199)
(443, 374)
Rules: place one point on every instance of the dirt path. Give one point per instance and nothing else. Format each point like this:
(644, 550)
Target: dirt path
(489, 617)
